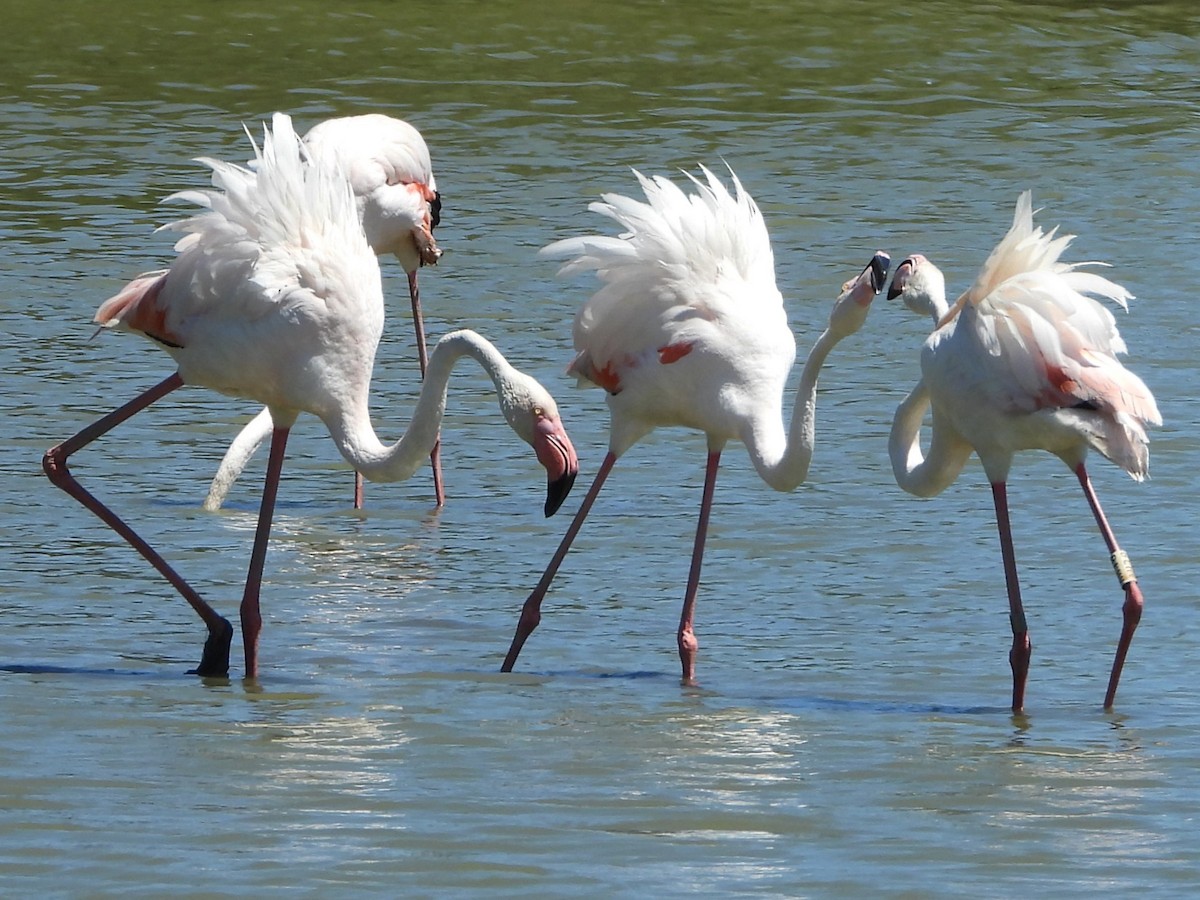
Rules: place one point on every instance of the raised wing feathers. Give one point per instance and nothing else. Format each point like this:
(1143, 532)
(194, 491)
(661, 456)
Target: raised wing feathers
(680, 261)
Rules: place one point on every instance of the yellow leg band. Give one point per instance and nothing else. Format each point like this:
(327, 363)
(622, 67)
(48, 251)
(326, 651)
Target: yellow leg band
(1123, 567)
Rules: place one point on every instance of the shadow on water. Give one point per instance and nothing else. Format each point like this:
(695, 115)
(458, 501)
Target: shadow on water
(165, 675)
(40, 669)
(616, 676)
(790, 704)
(883, 706)
(528, 676)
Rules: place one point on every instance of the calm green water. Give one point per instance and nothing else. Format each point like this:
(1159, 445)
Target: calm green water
(850, 737)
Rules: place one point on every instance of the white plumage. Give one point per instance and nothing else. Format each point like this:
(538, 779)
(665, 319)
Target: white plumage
(387, 164)
(275, 296)
(1025, 359)
(688, 328)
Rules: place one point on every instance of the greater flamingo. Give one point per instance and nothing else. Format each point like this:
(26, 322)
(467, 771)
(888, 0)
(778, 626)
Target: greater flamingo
(1024, 360)
(689, 329)
(388, 164)
(275, 296)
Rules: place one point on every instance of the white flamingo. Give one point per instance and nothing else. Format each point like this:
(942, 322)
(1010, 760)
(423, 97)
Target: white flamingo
(689, 329)
(275, 296)
(388, 164)
(1024, 360)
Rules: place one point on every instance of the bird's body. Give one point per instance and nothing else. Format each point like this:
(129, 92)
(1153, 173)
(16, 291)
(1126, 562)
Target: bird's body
(1024, 360)
(710, 365)
(688, 329)
(387, 164)
(275, 296)
(1018, 399)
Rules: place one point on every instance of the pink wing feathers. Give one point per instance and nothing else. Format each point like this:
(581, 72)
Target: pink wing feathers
(1051, 346)
(138, 307)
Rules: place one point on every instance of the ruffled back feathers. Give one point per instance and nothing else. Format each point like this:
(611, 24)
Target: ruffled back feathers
(1057, 345)
(678, 257)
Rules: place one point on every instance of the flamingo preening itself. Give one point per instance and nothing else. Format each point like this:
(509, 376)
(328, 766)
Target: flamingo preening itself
(388, 165)
(689, 329)
(275, 296)
(1024, 360)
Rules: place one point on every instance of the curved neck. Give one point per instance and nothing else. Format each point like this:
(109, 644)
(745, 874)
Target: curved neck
(939, 308)
(782, 459)
(352, 431)
(915, 472)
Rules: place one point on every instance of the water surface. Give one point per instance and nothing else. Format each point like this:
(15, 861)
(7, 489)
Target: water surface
(850, 735)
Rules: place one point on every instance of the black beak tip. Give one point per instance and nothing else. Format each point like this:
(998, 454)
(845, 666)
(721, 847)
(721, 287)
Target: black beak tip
(557, 491)
(895, 291)
(879, 269)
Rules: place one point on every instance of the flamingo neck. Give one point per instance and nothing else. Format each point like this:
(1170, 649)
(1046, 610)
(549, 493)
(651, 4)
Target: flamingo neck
(943, 313)
(924, 476)
(782, 458)
(354, 434)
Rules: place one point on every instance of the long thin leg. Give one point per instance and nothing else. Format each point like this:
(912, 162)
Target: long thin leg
(688, 645)
(531, 612)
(435, 455)
(1131, 611)
(1022, 647)
(215, 658)
(251, 615)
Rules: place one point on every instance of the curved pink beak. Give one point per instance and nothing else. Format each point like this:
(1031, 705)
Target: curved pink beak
(557, 456)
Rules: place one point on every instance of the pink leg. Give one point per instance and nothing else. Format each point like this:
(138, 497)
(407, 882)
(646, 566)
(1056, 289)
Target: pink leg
(1132, 609)
(688, 645)
(251, 616)
(1022, 648)
(531, 612)
(435, 455)
(215, 658)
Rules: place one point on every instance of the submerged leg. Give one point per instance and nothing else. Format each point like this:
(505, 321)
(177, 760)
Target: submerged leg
(215, 658)
(688, 645)
(1131, 611)
(1022, 648)
(251, 616)
(435, 455)
(531, 612)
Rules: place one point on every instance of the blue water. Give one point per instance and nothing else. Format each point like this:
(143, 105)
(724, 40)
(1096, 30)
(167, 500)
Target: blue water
(850, 735)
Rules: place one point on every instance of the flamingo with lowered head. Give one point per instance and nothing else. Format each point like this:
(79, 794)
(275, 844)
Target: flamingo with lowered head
(388, 164)
(275, 296)
(1024, 360)
(689, 329)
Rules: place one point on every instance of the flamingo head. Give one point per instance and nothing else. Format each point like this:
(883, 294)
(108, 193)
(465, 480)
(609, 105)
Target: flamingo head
(399, 218)
(852, 305)
(921, 285)
(387, 163)
(532, 413)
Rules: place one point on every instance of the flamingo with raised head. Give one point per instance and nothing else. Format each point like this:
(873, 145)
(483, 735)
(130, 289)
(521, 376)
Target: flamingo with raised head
(1024, 360)
(275, 296)
(689, 329)
(388, 164)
